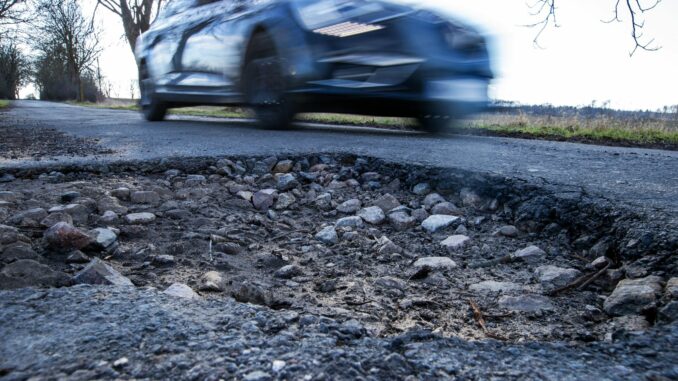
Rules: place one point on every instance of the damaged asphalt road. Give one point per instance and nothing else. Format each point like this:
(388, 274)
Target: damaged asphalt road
(308, 266)
(635, 176)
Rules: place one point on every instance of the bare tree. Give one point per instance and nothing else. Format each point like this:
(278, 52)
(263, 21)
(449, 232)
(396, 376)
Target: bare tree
(14, 70)
(545, 12)
(136, 15)
(62, 27)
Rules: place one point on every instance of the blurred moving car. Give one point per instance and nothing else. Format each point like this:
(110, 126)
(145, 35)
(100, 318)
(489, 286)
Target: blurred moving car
(281, 57)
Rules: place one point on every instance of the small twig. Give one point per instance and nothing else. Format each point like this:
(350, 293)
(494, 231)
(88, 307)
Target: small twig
(478, 315)
(580, 282)
(594, 277)
(210, 251)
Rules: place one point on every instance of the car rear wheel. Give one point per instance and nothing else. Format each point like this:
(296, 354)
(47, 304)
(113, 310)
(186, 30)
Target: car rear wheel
(153, 109)
(434, 124)
(265, 85)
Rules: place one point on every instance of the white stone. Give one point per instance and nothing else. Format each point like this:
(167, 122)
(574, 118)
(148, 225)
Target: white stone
(327, 235)
(435, 263)
(181, 290)
(455, 242)
(553, 277)
(529, 254)
(351, 221)
(495, 286)
(372, 215)
(140, 218)
(438, 221)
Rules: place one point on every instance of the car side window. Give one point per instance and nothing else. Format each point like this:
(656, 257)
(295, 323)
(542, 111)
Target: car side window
(177, 6)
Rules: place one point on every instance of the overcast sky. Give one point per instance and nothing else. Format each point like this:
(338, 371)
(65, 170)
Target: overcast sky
(581, 61)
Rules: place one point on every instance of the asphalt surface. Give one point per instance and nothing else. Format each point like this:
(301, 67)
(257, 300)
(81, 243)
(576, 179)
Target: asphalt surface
(644, 177)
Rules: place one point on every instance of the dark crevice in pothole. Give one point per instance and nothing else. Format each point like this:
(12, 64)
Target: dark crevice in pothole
(201, 223)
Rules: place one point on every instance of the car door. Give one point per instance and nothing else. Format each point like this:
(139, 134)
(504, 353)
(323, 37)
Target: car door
(206, 47)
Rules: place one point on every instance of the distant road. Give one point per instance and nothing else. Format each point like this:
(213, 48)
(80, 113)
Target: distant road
(644, 177)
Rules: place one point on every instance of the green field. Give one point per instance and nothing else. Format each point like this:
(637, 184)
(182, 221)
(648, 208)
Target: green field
(644, 132)
(4, 103)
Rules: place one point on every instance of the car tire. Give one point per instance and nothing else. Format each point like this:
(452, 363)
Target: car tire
(434, 124)
(152, 109)
(265, 85)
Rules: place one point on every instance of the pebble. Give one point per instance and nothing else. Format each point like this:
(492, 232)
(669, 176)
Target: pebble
(350, 206)
(109, 217)
(145, 197)
(327, 235)
(77, 256)
(212, 281)
(372, 215)
(181, 290)
(432, 199)
(508, 231)
(103, 238)
(245, 195)
(438, 221)
(140, 218)
(69, 196)
(351, 221)
(387, 202)
(530, 254)
(53, 218)
(672, 288)
(401, 220)
(421, 189)
(435, 263)
(264, 198)
(469, 198)
(446, 208)
(121, 193)
(455, 242)
(288, 272)
(283, 166)
(287, 182)
(99, 272)
(285, 200)
(553, 277)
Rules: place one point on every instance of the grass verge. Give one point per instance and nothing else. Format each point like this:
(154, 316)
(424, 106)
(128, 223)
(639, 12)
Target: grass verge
(651, 133)
(4, 103)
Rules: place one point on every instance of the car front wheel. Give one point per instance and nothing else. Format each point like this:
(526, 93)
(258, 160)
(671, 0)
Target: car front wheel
(153, 109)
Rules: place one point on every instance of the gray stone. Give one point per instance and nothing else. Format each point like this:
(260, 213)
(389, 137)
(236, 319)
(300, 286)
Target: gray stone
(65, 237)
(288, 272)
(121, 193)
(181, 290)
(163, 260)
(283, 166)
(349, 206)
(401, 220)
(212, 281)
(110, 203)
(420, 214)
(324, 201)
(633, 296)
(29, 218)
(435, 263)
(491, 286)
(351, 221)
(285, 200)
(672, 288)
(77, 256)
(421, 189)
(446, 208)
(438, 221)
(287, 182)
(264, 199)
(109, 217)
(29, 273)
(327, 235)
(8, 196)
(257, 375)
(372, 215)
(245, 195)
(140, 218)
(530, 254)
(8, 234)
(17, 251)
(432, 199)
(387, 247)
(387, 202)
(103, 238)
(469, 198)
(455, 242)
(99, 272)
(508, 231)
(389, 282)
(53, 218)
(195, 180)
(526, 303)
(145, 197)
(553, 277)
(668, 313)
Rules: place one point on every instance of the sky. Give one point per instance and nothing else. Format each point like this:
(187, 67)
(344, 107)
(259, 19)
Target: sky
(581, 61)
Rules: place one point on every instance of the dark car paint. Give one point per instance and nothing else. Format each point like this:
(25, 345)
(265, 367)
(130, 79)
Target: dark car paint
(197, 57)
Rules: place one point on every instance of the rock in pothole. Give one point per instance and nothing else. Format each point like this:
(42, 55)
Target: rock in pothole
(349, 206)
(554, 277)
(435, 263)
(401, 220)
(29, 273)
(387, 202)
(65, 237)
(181, 290)
(633, 296)
(140, 218)
(438, 221)
(99, 272)
(490, 286)
(530, 254)
(455, 242)
(372, 215)
(212, 281)
(327, 235)
(351, 221)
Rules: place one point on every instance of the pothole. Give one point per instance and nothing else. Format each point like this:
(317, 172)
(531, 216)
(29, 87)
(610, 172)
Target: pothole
(391, 247)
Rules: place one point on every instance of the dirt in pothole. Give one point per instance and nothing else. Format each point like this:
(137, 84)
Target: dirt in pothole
(392, 277)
